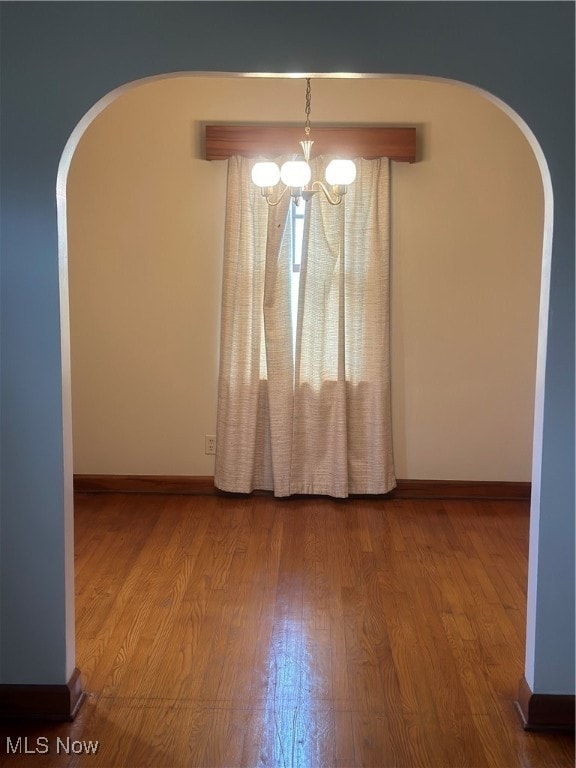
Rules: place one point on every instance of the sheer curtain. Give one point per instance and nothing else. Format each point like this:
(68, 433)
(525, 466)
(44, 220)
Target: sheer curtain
(315, 419)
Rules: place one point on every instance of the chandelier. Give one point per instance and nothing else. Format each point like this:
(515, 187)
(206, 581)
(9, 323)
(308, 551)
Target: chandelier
(295, 175)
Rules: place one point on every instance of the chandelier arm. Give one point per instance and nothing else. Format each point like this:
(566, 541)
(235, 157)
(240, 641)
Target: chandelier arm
(333, 201)
(267, 193)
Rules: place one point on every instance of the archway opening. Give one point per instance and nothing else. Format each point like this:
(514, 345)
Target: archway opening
(411, 275)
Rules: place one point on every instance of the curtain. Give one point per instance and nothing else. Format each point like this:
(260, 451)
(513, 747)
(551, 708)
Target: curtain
(256, 369)
(315, 419)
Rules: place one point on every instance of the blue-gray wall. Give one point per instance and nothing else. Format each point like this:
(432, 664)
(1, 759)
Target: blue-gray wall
(58, 59)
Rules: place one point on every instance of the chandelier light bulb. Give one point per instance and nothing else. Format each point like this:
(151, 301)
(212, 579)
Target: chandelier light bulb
(295, 173)
(340, 172)
(265, 174)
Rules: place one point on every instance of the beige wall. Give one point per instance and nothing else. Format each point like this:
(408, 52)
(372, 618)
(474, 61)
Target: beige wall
(145, 240)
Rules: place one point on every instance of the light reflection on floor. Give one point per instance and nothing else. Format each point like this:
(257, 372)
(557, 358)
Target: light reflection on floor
(289, 718)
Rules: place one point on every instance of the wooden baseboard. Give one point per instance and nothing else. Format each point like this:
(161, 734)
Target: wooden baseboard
(42, 702)
(544, 711)
(181, 485)
(461, 489)
(204, 486)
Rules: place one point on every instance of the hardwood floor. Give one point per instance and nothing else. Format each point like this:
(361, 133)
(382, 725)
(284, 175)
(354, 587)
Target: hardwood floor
(224, 632)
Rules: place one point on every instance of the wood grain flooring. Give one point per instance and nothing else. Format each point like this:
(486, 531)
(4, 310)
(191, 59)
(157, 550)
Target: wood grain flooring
(298, 633)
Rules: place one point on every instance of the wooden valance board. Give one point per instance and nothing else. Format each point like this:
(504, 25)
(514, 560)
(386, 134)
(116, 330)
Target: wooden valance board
(224, 141)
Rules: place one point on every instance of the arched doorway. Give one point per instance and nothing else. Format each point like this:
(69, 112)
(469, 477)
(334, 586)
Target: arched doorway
(73, 143)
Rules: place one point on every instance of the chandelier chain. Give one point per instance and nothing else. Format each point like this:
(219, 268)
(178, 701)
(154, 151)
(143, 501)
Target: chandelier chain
(308, 107)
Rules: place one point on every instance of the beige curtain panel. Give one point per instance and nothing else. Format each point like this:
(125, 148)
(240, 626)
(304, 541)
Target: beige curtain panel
(316, 419)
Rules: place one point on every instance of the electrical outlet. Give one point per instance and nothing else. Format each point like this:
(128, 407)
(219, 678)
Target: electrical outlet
(209, 444)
